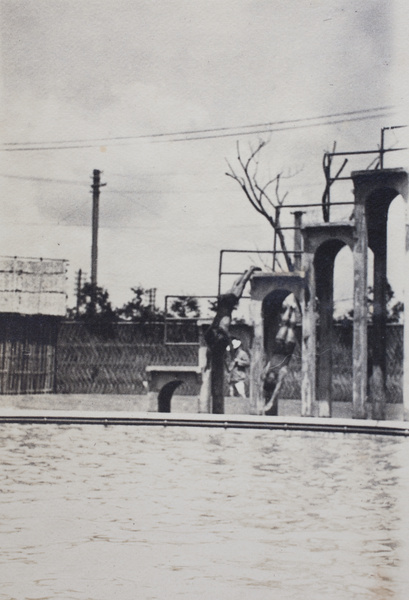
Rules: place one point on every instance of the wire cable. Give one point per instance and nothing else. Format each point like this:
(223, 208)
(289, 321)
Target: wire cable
(193, 134)
(277, 130)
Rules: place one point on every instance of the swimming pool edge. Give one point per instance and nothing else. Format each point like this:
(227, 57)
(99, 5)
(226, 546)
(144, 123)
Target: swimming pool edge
(288, 423)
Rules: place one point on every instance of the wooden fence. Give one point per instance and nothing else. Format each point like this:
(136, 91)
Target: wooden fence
(27, 354)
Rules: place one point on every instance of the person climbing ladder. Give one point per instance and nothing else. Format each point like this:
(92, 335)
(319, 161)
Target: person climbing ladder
(276, 369)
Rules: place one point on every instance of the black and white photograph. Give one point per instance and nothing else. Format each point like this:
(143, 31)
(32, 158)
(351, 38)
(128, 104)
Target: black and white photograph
(204, 296)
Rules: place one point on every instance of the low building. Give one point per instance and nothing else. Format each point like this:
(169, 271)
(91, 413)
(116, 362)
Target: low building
(33, 302)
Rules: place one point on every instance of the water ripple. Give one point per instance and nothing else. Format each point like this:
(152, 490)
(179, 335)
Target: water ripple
(95, 513)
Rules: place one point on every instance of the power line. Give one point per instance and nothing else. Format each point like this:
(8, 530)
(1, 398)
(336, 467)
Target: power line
(52, 148)
(43, 179)
(173, 133)
(233, 131)
(276, 130)
(154, 228)
(134, 192)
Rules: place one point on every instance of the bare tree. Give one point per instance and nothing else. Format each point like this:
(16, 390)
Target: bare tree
(267, 203)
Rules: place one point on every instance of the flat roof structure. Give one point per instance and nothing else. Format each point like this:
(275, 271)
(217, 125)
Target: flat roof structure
(33, 286)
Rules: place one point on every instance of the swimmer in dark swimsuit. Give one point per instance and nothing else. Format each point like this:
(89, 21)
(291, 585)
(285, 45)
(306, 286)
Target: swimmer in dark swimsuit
(217, 338)
(218, 335)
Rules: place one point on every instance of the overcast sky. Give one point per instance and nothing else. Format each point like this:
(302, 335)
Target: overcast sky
(87, 72)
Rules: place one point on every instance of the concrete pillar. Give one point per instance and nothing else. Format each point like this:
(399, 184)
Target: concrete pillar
(309, 342)
(298, 243)
(377, 351)
(205, 401)
(360, 334)
(152, 401)
(406, 325)
(217, 362)
(325, 337)
(257, 358)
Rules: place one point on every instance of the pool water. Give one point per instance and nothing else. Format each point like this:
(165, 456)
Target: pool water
(104, 513)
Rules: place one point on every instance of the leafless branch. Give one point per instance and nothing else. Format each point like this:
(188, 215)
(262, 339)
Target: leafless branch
(258, 195)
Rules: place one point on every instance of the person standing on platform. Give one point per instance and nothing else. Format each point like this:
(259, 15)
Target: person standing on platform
(238, 369)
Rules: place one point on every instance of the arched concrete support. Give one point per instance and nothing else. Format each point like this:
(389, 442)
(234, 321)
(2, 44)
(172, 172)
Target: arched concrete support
(321, 245)
(263, 284)
(257, 357)
(374, 191)
(324, 281)
(309, 339)
(406, 326)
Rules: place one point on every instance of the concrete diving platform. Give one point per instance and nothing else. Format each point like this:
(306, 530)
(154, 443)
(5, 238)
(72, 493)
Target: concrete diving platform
(163, 380)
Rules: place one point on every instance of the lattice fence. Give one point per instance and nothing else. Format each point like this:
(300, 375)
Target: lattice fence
(88, 364)
(342, 365)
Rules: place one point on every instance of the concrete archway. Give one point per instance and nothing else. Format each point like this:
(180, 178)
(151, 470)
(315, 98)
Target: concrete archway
(268, 291)
(374, 192)
(280, 378)
(321, 245)
(324, 261)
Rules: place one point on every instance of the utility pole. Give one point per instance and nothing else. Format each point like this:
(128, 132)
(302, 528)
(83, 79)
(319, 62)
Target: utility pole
(79, 286)
(96, 185)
